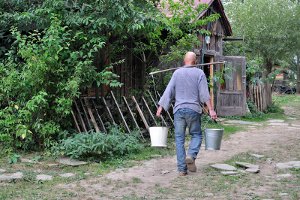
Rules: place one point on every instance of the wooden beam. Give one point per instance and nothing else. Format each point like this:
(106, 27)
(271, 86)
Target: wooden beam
(75, 121)
(80, 117)
(108, 110)
(131, 113)
(149, 110)
(140, 113)
(85, 114)
(211, 73)
(120, 112)
(153, 101)
(98, 116)
(91, 115)
(172, 69)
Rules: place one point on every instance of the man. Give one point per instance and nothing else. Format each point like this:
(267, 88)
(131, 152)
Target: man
(188, 86)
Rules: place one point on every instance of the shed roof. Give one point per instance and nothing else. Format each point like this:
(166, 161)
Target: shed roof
(220, 9)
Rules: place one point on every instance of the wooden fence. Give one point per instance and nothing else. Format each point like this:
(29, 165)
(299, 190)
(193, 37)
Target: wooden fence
(261, 95)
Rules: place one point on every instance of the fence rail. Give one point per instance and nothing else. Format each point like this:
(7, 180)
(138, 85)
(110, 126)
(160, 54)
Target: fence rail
(261, 95)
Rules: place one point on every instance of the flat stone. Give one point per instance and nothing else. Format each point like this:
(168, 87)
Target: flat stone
(43, 177)
(288, 165)
(67, 175)
(280, 176)
(295, 125)
(52, 165)
(229, 173)
(156, 156)
(240, 122)
(25, 160)
(253, 170)
(224, 167)
(2, 170)
(71, 162)
(11, 176)
(257, 155)
(247, 165)
(209, 195)
(278, 124)
(283, 194)
(276, 121)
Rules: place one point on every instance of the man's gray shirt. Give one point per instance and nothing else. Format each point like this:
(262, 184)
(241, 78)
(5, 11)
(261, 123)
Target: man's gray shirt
(189, 87)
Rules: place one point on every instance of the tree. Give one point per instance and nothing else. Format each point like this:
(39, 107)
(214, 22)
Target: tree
(270, 28)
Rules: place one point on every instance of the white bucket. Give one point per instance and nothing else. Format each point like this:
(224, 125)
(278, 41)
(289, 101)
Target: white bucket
(158, 136)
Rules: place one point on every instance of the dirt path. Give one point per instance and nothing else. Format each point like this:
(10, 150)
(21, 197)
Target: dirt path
(157, 178)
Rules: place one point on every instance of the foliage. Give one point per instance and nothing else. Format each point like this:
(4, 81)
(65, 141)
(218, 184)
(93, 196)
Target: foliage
(268, 27)
(99, 145)
(40, 77)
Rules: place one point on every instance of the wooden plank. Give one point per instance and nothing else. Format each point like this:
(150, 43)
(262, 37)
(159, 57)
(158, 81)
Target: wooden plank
(75, 121)
(91, 115)
(140, 112)
(108, 110)
(120, 112)
(162, 118)
(98, 116)
(149, 110)
(85, 114)
(131, 113)
(211, 73)
(80, 117)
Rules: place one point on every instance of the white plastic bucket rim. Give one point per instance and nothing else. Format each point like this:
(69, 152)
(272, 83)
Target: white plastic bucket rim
(158, 136)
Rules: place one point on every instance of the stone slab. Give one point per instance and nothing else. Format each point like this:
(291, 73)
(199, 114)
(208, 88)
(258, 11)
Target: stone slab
(247, 165)
(25, 160)
(11, 176)
(229, 173)
(240, 122)
(2, 170)
(257, 155)
(67, 175)
(253, 170)
(288, 165)
(276, 121)
(278, 124)
(224, 167)
(71, 162)
(44, 177)
(281, 176)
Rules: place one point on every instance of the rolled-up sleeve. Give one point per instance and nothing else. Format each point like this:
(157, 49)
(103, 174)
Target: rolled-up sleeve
(169, 94)
(203, 89)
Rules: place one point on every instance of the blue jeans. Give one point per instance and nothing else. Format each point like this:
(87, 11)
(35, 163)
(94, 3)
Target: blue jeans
(184, 118)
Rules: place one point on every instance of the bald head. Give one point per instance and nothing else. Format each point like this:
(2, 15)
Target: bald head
(190, 58)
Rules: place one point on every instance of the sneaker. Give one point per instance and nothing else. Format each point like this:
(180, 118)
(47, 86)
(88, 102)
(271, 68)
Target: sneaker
(190, 162)
(182, 173)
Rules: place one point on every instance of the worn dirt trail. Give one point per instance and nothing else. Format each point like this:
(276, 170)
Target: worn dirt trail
(143, 181)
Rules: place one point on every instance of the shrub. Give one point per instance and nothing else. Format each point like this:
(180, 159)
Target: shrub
(99, 145)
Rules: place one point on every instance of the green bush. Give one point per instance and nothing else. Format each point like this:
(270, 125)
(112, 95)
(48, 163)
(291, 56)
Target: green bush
(99, 145)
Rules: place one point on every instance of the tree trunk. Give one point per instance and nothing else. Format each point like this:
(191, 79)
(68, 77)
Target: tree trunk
(298, 73)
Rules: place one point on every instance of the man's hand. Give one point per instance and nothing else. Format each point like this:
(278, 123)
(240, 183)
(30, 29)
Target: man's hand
(159, 110)
(213, 114)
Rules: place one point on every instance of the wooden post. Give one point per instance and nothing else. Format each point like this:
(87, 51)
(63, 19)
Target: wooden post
(153, 101)
(140, 113)
(108, 110)
(85, 114)
(121, 114)
(99, 118)
(75, 120)
(211, 73)
(91, 115)
(80, 117)
(152, 116)
(131, 113)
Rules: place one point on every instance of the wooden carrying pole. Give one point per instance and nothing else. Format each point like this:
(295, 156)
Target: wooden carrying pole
(172, 69)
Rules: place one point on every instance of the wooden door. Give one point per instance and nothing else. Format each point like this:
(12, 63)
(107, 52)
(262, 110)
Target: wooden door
(231, 98)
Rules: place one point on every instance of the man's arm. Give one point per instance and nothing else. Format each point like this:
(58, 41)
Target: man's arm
(205, 97)
(211, 110)
(166, 99)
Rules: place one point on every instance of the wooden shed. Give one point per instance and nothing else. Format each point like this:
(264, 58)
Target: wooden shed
(228, 98)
